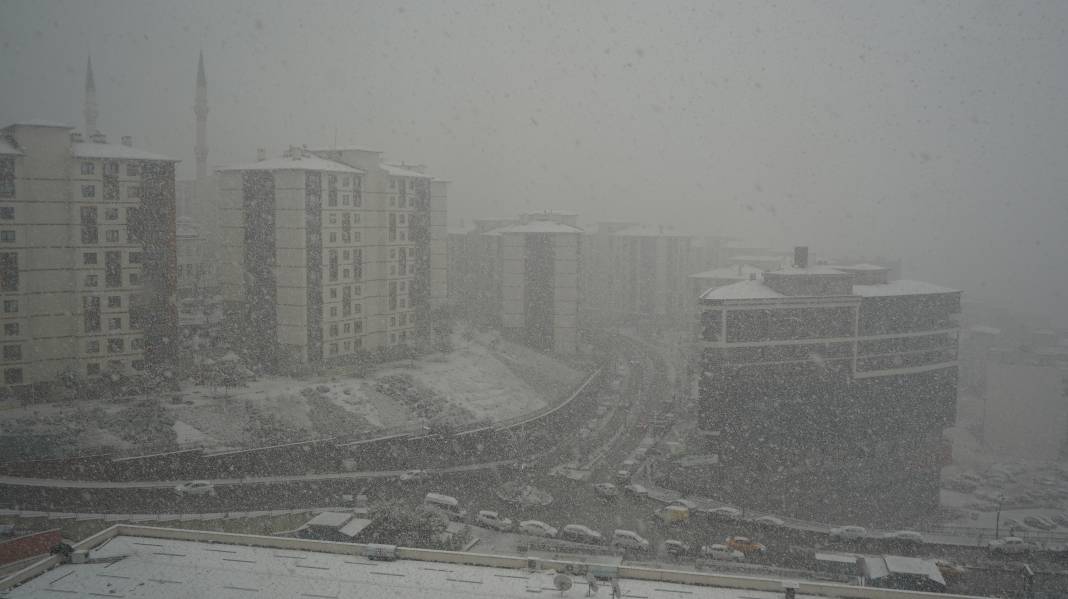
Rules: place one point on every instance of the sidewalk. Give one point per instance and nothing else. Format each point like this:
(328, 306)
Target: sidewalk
(165, 517)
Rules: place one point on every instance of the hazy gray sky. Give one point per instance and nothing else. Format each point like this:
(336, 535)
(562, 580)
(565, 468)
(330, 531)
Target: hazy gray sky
(931, 131)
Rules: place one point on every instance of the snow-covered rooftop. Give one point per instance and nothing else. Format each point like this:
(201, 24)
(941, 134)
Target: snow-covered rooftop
(345, 149)
(900, 287)
(649, 231)
(741, 290)
(40, 123)
(742, 271)
(165, 568)
(8, 148)
(90, 149)
(822, 271)
(538, 226)
(758, 258)
(306, 162)
(860, 267)
(398, 170)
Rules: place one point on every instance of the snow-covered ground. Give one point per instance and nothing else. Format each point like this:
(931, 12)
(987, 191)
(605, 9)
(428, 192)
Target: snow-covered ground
(484, 378)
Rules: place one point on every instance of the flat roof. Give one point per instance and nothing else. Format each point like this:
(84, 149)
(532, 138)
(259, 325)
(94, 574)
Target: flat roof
(742, 290)
(540, 226)
(401, 171)
(901, 287)
(92, 149)
(39, 123)
(758, 290)
(165, 568)
(742, 271)
(302, 163)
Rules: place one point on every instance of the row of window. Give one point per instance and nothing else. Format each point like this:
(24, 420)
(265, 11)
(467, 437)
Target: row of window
(133, 169)
(132, 192)
(90, 258)
(349, 346)
(93, 368)
(116, 345)
(92, 280)
(354, 327)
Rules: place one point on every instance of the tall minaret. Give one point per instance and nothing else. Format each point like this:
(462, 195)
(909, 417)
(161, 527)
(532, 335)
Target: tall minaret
(200, 108)
(90, 100)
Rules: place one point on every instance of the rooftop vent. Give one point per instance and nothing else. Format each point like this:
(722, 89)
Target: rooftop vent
(76, 137)
(98, 138)
(261, 154)
(127, 141)
(801, 256)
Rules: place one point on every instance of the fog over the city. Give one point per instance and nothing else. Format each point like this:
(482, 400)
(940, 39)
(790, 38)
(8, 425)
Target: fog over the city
(934, 132)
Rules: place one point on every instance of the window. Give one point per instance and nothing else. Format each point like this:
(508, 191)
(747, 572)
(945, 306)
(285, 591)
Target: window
(92, 346)
(135, 279)
(112, 236)
(116, 346)
(13, 352)
(346, 237)
(332, 268)
(7, 236)
(333, 348)
(333, 293)
(88, 168)
(346, 301)
(89, 230)
(333, 311)
(114, 324)
(11, 306)
(333, 218)
(356, 308)
(11, 329)
(113, 269)
(114, 301)
(356, 237)
(333, 330)
(392, 295)
(348, 327)
(392, 226)
(133, 192)
(9, 271)
(111, 214)
(92, 369)
(358, 326)
(12, 376)
(357, 290)
(393, 183)
(333, 237)
(346, 273)
(133, 169)
(91, 312)
(345, 201)
(88, 191)
(137, 364)
(7, 213)
(137, 343)
(89, 258)
(111, 168)
(401, 219)
(392, 321)
(135, 257)
(91, 280)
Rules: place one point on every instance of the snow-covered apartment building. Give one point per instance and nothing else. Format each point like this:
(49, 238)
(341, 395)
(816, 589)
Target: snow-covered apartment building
(825, 390)
(87, 255)
(330, 252)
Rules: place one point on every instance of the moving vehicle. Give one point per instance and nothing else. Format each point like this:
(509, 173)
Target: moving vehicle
(606, 490)
(445, 505)
(628, 539)
(722, 552)
(904, 536)
(672, 514)
(195, 487)
(635, 490)
(745, 545)
(1011, 545)
(537, 528)
(581, 534)
(491, 519)
(413, 475)
(676, 548)
(848, 533)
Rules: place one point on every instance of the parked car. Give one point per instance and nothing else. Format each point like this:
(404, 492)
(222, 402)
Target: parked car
(676, 548)
(491, 519)
(581, 534)
(1039, 522)
(950, 571)
(722, 552)
(910, 537)
(635, 490)
(445, 505)
(413, 475)
(195, 487)
(606, 490)
(628, 539)
(1011, 523)
(537, 528)
(848, 533)
(722, 513)
(769, 521)
(622, 476)
(1011, 545)
(746, 545)
(1061, 519)
(672, 514)
(686, 503)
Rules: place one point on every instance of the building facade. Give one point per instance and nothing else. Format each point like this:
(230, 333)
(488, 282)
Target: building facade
(88, 256)
(826, 391)
(331, 252)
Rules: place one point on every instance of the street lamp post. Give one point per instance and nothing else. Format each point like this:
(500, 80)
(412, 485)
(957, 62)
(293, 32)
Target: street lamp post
(997, 519)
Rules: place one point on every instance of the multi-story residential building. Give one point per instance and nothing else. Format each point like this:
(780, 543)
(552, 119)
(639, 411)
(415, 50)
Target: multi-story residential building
(826, 391)
(88, 255)
(331, 252)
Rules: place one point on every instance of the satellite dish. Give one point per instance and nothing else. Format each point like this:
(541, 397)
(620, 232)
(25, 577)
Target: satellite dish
(562, 582)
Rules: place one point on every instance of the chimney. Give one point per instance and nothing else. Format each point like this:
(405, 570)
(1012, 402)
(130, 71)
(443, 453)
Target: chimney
(127, 141)
(261, 154)
(76, 137)
(801, 256)
(98, 138)
(752, 276)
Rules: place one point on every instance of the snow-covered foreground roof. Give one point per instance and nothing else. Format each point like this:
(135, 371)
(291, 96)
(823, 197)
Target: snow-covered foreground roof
(92, 149)
(165, 568)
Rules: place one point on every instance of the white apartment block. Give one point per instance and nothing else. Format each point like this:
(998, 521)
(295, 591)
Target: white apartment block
(330, 252)
(87, 256)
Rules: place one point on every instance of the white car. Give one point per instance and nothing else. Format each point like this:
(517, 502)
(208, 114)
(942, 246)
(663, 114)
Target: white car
(904, 536)
(686, 503)
(493, 520)
(769, 521)
(413, 475)
(722, 552)
(636, 490)
(581, 534)
(628, 539)
(723, 513)
(195, 487)
(606, 490)
(537, 528)
(1011, 545)
(848, 533)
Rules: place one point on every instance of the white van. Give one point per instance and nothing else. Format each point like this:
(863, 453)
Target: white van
(444, 504)
(628, 539)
